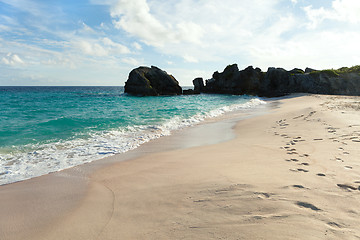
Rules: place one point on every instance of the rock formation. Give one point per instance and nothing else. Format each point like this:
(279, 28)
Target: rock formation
(145, 81)
(198, 85)
(279, 82)
(233, 81)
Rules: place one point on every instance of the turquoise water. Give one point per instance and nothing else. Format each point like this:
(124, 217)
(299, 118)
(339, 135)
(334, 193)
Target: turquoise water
(46, 129)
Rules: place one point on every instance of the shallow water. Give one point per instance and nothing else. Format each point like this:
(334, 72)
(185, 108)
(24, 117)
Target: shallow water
(46, 129)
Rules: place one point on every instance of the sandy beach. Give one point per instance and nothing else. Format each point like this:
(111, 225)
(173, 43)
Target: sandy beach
(292, 173)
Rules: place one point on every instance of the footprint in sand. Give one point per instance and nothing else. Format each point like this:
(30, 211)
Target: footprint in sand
(262, 195)
(302, 115)
(348, 167)
(347, 187)
(292, 153)
(304, 164)
(334, 224)
(304, 155)
(321, 175)
(292, 160)
(299, 170)
(307, 205)
(339, 159)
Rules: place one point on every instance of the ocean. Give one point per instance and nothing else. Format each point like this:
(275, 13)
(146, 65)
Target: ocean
(47, 129)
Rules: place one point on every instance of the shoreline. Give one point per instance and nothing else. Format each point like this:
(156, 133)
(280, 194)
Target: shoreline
(59, 155)
(71, 185)
(276, 179)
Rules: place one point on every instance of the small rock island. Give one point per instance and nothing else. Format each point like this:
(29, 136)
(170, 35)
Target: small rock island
(145, 81)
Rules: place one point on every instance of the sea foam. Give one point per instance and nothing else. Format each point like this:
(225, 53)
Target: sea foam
(38, 159)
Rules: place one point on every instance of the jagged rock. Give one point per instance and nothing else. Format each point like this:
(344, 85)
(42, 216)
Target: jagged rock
(297, 71)
(330, 82)
(276, 83)
(279, 82)
(198, 85)
(233, 81)
(250, 80)
(309, 70)
(145, 81)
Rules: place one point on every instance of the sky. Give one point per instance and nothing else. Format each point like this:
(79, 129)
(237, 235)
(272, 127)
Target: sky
(98, 42)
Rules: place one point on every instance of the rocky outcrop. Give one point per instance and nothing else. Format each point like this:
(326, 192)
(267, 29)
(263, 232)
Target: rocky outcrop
(233, 81)
(145, 81)
(309, 70)
(279, 82)
(198, 85)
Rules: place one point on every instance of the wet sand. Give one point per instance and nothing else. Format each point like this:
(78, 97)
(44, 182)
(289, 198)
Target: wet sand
(293, 173)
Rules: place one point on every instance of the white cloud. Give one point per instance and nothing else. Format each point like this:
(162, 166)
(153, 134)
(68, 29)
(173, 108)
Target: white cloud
(209, 34)
(12, 59)
(115, 48)
(135, 18)
(209, 30)
(341, 10)
(319, 50)
(93, 49)
(131, 61)
(86, 29)
(347, 10)
(59, 61)
(4, 28)
(28, 6)
(190, 59)
(100, 48)
(137, 46)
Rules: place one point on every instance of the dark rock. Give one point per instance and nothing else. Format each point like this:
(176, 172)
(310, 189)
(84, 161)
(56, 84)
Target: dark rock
(250, 81)
(309, 70)
(297, 71)
(198, 85)
(190, 92)
(145, 81)
(225, 82)
(276, 83)
(279, 82)
(233, 81)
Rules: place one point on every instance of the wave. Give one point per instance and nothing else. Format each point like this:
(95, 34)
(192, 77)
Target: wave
(39, 159)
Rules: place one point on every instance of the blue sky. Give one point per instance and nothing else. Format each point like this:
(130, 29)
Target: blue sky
(98, 42)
